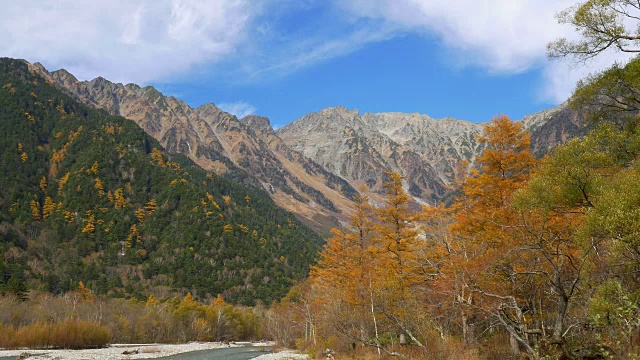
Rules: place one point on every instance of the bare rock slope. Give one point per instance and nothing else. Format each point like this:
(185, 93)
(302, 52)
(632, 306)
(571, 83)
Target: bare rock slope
(428, 152)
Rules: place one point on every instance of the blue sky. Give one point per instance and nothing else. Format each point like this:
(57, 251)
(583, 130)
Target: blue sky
(468, 59)
(404, 74)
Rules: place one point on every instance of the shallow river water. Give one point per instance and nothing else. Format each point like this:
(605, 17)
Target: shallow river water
(234, 353)
(238, 353)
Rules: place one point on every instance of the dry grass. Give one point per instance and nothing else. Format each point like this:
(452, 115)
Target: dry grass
(69, 334)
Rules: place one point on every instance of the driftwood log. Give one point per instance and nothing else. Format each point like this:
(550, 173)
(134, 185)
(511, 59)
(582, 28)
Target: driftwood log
(132, 352)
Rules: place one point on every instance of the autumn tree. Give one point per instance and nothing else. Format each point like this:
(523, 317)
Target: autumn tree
(484, 220)
(119, 200)
(397, 230)
(43, 184)
(35, 210)
(344, 278)
(48, 208)
(594, 180)
(550, 254)
(151, 205)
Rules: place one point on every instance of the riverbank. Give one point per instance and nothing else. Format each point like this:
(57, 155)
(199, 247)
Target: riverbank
(141, 351)
(282, 355)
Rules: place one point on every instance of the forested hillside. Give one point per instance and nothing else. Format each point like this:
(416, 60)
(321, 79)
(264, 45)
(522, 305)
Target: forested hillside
(89, 197)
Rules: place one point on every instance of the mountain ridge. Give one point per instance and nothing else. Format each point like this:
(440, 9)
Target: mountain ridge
(219, 142)
(313, 165)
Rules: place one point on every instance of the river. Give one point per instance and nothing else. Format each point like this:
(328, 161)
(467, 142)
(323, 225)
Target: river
(237, 353)
(233, 353)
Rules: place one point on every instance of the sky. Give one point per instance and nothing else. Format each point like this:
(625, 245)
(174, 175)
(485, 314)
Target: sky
(467, 59)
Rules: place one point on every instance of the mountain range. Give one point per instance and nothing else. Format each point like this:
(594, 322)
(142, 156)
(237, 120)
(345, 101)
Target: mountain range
(313, 166)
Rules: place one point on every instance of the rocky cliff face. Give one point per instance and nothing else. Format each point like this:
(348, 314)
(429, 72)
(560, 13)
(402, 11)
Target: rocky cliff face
(246, 150)
(362, 147)
(552, 127)
(428, 152)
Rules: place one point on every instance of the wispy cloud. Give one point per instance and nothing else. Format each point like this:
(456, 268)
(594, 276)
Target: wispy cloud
(499, 35)
(311, 51)
(240, 109)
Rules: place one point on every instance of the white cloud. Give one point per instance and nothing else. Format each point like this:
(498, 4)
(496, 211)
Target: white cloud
(502, 36)
(129, 41)
(240, 109)
(560, 77)
(247, 41)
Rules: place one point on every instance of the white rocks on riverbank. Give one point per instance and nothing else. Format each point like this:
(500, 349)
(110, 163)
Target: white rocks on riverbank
(282, 355)
(145, 351)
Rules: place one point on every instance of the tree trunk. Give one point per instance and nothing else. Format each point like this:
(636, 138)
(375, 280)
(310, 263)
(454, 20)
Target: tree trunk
(373, 314)
(467, 328)
(515, 349)
(558, 326)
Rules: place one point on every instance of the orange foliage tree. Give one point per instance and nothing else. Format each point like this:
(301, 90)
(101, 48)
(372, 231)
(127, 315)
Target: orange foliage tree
(484, 222)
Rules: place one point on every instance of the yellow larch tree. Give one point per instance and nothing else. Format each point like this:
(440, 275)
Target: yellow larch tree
(485, 224)
(35, 210)
(48, 208)
(43, 184)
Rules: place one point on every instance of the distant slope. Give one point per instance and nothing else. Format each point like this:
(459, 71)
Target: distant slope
(550, 128)
(242, 150)
(89, 197)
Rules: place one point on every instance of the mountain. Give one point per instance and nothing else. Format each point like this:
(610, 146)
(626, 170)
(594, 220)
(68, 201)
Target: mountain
(88, 196)
(552, 127)
(312, 166)
(428, 152)
(245, 150)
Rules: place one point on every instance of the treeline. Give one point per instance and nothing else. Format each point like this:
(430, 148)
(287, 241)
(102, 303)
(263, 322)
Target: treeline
(78, 319)
(89, 197)
(534, 259)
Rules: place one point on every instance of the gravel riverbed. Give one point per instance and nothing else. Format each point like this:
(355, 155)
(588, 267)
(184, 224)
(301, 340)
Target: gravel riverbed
(145, 351)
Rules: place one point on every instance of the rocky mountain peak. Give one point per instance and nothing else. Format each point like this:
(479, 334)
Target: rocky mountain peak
(258, 123)
(209, 109)
(341, 112)
(425, 150)
(39, 67)
(538, 119)
(132, 87)
(63, 74)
